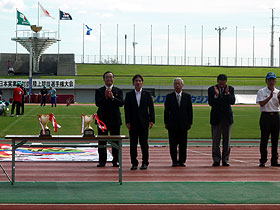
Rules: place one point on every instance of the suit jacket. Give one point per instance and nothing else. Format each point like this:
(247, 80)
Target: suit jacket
(221, 106)
(109, 109)
(142, 115)
(176, 117)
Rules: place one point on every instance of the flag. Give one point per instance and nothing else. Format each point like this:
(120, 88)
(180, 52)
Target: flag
(22, 20)
(45, 12)
(64, 16)
(88, 30)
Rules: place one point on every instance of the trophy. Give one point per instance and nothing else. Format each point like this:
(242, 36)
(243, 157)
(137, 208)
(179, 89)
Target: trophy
(44, 119)
(36, 28)
(87, 119)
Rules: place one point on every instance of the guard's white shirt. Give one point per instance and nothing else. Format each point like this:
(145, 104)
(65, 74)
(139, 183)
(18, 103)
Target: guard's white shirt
(273, 104)
(138, 96)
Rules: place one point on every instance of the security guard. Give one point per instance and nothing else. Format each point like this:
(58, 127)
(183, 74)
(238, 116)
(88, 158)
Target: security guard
(269, 100)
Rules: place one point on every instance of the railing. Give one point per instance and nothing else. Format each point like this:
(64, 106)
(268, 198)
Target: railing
(175, 60)
(42, 33)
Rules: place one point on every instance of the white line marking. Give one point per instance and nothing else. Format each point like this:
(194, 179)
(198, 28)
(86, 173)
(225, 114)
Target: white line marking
(16, 121)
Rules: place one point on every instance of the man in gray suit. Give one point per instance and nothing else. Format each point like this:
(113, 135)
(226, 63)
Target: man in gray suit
(220, 98)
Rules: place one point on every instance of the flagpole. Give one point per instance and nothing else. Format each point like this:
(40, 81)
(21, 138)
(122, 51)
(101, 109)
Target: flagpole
(151, 44)
(38, 12)
(117, 43)
(185, 45)
(58, 35)
(100, 46)
(16, 34)
(236, 46)
(168, 45)
(253, 45)
(83, 43)
(201, 45)
(134, 44)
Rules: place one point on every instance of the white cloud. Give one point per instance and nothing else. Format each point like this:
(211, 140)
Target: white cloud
(107, 15)
(11, 5)
(175, 6)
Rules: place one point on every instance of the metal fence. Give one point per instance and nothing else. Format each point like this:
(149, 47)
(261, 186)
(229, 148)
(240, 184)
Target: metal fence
(175, 60)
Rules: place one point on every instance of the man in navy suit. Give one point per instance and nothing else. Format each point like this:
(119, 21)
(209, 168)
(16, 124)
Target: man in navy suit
(220, 98)
(139, 118)
(109, 99)
(178, 119)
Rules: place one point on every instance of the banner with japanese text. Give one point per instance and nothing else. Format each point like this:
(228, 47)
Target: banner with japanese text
(39, 83)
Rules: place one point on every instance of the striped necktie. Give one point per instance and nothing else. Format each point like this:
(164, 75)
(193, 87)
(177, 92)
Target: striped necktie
(178, 99)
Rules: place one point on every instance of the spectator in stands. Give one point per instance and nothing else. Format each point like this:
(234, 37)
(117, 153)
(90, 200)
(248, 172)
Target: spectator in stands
(178, 119)
(17, 98)
(10, 69)
(53, 95)
(109, 99)
(23, 98)
(269, 100)
(139, 117)
(220, 98)
(44, 93)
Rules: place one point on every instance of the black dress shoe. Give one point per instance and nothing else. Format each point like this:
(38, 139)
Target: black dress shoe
(133, 167)
(100, 164)
(116, 164)
(262, 165)
(216, 164)
(143, 167)
(182, 164)
(225, 164)
(175, 164)
(275, 164)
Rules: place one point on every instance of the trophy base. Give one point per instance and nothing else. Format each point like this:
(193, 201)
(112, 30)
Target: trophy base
(88, 133)
(47, 133)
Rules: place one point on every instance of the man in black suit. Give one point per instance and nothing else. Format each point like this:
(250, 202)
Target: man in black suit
(220, 98)
(109, 99)
(178, 119)
(139, 117)
(23, 98)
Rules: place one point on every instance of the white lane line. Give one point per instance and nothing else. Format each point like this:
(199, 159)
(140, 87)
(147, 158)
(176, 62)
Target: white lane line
(16, 121)
(236, 160)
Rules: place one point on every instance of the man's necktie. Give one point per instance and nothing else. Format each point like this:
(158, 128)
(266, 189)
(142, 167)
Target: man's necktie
(178, 99)
(221, 92)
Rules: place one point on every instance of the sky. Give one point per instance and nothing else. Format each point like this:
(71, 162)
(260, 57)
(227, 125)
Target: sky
(245, 14)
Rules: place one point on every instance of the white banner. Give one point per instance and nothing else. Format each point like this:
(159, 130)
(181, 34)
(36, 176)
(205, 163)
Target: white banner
(39, 83)
(245, 99)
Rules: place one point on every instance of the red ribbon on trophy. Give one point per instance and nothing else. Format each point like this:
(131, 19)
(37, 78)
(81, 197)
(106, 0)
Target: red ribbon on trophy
(100, 124)
(44, 119)
(54, 123)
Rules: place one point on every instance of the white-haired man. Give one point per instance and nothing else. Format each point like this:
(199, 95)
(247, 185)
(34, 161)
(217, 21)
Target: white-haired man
(178, 119)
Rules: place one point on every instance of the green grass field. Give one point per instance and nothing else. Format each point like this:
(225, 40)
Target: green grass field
(245, 125)
(91, 74)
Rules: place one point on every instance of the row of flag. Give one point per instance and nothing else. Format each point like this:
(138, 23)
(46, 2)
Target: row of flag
(22, 20)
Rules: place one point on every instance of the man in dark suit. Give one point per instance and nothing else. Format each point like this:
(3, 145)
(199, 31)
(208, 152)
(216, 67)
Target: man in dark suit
(23, 98)
(139, 117)
(109, 99)
(178, 119)
(220, 98)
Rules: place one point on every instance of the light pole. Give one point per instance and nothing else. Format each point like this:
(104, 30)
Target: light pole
(134, 44)
(220, 30)
(134, 58)
(125, 44)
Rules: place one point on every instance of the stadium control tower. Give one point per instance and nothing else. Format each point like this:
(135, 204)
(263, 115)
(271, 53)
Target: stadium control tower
(35, 42)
